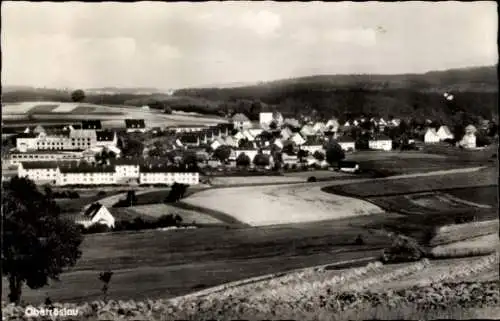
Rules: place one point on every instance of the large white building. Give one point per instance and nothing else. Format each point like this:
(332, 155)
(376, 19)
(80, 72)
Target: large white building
(78, 174)
(71, 139)
(166, 175)
(16, 158)
(39, 172)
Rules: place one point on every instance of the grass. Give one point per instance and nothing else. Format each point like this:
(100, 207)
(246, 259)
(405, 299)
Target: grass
(437, 201)
(395, 162)
(153, 264)
(77, 204)
(153, 211)
(270, 205)
(482, 245)
(393, 187)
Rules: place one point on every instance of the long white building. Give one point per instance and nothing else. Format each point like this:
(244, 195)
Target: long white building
(74, 173)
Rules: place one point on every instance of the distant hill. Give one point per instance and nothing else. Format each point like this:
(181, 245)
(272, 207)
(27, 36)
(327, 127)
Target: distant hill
(415, 95)
(132, 91)
(475, 90)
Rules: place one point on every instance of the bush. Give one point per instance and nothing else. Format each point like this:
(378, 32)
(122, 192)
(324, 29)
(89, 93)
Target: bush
(101, 194)
(311, 179)
(403, 249)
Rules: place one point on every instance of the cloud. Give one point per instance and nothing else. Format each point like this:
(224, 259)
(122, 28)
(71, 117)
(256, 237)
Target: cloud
(178, 44)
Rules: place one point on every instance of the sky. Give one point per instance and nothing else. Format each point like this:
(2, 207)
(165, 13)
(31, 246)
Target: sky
(176, 45)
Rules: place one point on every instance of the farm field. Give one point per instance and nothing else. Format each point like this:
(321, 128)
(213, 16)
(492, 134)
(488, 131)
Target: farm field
(408, 162)
(153, 211)
(154, 264)
(31, 113)
(269, 205)
(375, 188)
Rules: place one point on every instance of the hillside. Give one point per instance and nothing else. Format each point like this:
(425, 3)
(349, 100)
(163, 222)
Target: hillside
(475, 90)
(416, 95)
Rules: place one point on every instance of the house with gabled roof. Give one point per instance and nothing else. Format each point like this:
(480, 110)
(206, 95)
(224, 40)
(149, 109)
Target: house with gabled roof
(307, 130)
(286, 133)
(347, 143)
(216, 142)
(135, 125)
(95, 214)
(319, 127)
(380, 142)
(332, 125)
(431, 136)
(313, 144)
(444, 133)
(238, 136)
(469, 139)
(230, 141)
(297, 139)
(240, 121)
(39, 129)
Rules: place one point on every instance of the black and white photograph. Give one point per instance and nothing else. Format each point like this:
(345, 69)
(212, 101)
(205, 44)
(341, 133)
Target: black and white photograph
(249, 160)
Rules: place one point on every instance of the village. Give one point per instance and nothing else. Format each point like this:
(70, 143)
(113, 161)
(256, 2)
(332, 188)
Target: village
(86, 154)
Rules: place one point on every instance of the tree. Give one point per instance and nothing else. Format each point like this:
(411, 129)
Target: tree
(37, 243)
(301, 154)
(334, 152)
(243, 160)
(261, 160)
(273, 125)
(78, 96)
(133, 148)
(222, 153)
(131, 198)
(319, 155)
(104, 156)
(167, 110)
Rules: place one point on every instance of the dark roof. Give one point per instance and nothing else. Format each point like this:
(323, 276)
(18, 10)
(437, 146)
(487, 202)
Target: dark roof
(314, 141)
(27, 135)
(76, 126)
(381, 137)
(225, 125)
(92, 210)
(12, 130)
(345, 139)
(135, 123)
(91, 124)
(86, 168)
(126, 161)
(159, 168)
(105, 136)
(189, 138)
(39, 165)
